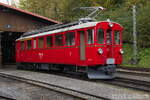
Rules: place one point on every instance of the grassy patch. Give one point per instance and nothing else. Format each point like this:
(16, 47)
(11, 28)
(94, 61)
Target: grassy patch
(143, 55)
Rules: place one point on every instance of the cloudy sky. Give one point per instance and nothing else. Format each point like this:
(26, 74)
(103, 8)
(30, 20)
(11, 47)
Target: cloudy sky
(6, 1)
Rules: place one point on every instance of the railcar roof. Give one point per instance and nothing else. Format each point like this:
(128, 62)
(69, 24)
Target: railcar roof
(80, 26)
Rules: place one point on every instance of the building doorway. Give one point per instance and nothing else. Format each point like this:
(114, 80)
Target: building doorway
(8, 46)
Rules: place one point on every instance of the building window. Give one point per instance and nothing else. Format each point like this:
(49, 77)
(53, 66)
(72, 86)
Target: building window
(100, 36)
(59, 40)
(49, 41)
(22, 45)
(70, 38)
(41, 42)
(29, 44)
(90, 36)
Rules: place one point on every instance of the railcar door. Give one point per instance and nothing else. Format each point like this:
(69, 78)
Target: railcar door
(82, 44)
(109, 38)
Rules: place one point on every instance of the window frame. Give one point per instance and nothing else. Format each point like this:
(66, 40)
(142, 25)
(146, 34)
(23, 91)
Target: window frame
(34, 39)
(86, 35)
(104, 36)
(120, 37)
(55, 40)
(75, 38)
(22, 49)
(28, 45)
(51, 35)
(38, 42)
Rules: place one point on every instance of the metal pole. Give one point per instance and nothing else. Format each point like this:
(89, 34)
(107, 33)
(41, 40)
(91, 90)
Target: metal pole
(134, 36)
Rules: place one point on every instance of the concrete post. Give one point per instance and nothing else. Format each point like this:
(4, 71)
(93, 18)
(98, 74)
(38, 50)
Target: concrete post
(134, 36)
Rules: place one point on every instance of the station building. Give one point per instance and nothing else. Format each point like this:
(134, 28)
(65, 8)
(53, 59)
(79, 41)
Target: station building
(13, 23)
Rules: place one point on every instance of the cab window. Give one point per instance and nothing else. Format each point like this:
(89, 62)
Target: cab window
(90, 36)
(117, 37)
(100, 36)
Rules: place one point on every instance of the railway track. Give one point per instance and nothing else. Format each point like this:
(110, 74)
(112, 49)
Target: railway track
(130, 83)
(6, 98)
(142, 85)
(121, 82)
(133, 83)
(77, 94)
(134, 72)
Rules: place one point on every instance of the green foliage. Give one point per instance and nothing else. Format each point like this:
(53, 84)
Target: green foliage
(62, 10)
(144, 26)
(143, 55)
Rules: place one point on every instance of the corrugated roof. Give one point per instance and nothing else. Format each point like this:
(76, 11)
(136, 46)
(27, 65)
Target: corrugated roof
(29, 13)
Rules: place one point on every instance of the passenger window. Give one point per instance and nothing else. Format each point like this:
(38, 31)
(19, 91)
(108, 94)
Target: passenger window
(59, 40)
(90, 36)
(29, 44)
(70, 38)
(49, 41)
(41, 42)
(34, 43)
(100, 36)
(117, 37)
(22, 45)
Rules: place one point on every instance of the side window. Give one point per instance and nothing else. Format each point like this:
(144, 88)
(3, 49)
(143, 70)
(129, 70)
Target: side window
(117, 37)
(34, 43)
(90, 36)
(70, 38)
(49, 41)
(100, 36)
(59, 40)
(22, 45)
(41, 42)
(29, 44)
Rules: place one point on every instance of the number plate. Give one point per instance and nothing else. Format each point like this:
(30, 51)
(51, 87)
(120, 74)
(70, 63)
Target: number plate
(110, 61)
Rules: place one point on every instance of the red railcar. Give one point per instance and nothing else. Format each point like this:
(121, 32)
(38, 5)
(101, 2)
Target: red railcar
(94, 48)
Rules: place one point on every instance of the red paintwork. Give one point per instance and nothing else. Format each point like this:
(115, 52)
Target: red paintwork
(71, 55)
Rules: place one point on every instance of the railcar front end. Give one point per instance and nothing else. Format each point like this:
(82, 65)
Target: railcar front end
(106, 53)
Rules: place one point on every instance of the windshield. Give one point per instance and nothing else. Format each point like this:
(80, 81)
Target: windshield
(117, 37)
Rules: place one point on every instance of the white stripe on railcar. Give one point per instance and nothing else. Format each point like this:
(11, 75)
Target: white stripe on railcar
(80, 26)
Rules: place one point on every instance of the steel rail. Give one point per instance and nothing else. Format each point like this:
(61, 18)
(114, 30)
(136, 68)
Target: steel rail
(130, 83)
(7, 98)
